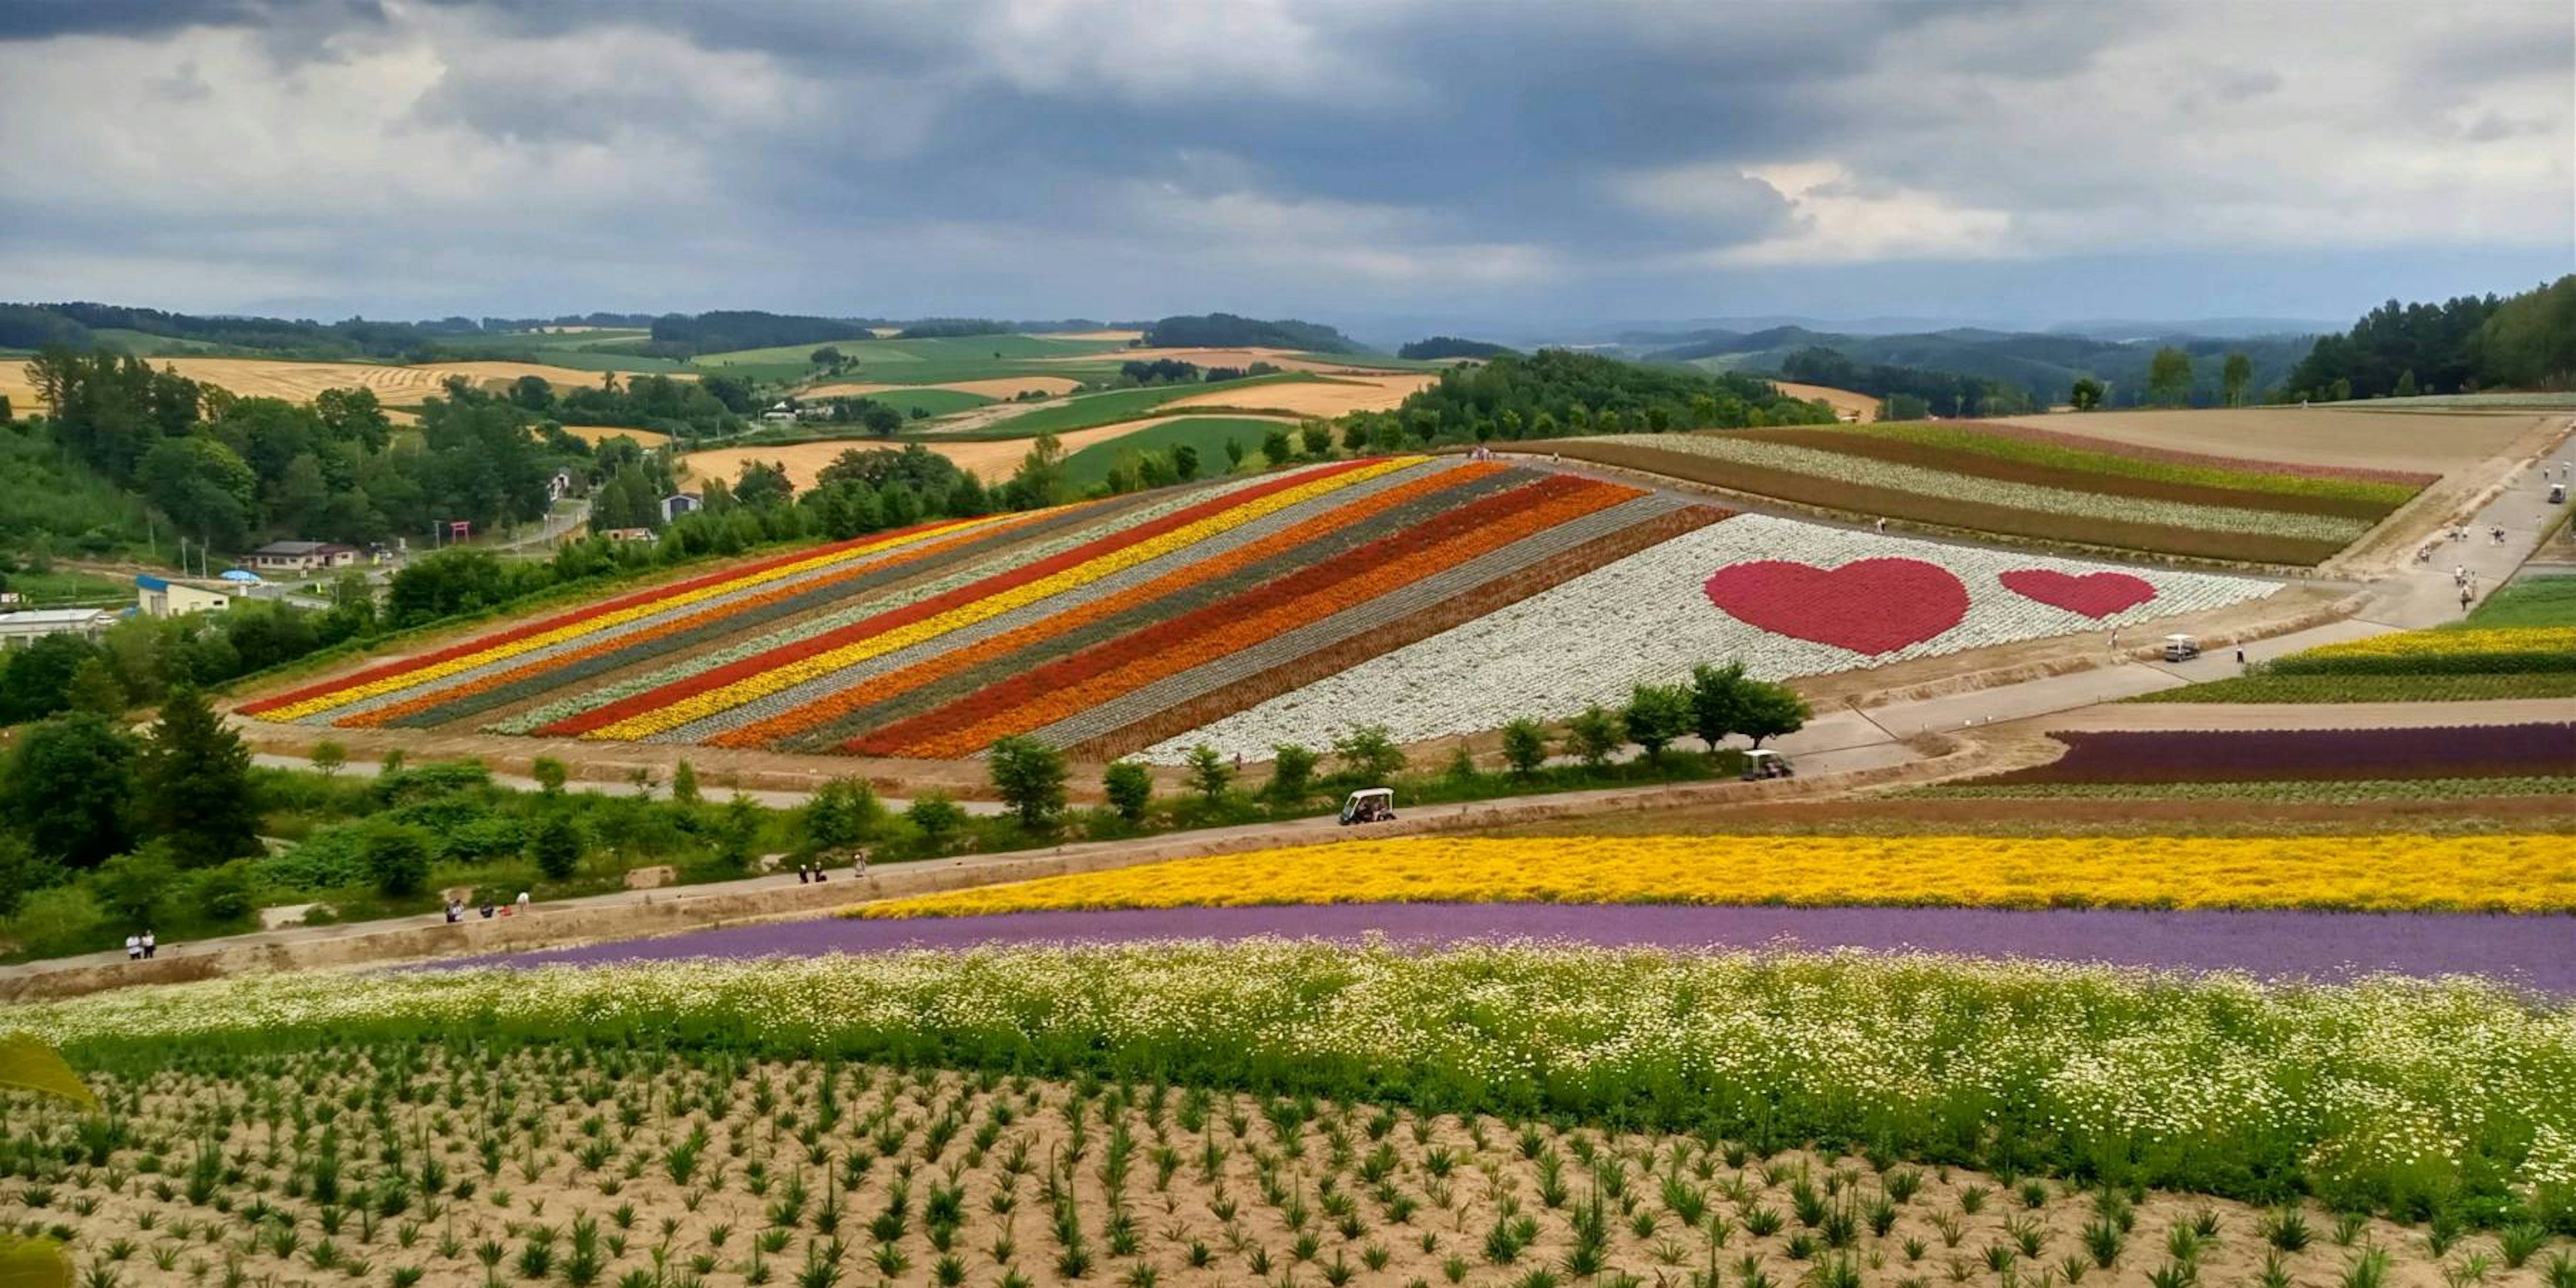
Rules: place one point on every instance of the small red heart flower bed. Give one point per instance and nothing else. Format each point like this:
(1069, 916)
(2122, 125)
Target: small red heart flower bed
(2095, 594)
(1869, 606)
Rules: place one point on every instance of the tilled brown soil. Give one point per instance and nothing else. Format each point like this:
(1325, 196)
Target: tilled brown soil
(1880, 447)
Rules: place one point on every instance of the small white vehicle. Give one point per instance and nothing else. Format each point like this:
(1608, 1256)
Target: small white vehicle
(1761, 763)
(2181, 648)
(2558, 494)
(1369, 805)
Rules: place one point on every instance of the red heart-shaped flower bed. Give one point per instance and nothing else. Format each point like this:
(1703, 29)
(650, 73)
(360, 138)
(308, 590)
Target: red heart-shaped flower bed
(1869, 606)
(2095, 594)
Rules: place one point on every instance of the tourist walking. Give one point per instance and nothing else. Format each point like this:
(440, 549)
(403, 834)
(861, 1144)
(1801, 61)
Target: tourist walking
(150, 945)
(134, 948)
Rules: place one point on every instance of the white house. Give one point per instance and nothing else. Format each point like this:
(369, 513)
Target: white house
(19, 630)
(302, 556)
(779, 414)
(679, 503)
(162, 597)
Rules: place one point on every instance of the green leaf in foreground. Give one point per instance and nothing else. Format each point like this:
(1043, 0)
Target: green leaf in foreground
(30, 1065)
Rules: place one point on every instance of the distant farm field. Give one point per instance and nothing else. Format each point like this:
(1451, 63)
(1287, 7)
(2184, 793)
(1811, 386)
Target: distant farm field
(602, 433)
(1855, 406)
(997, 387)
(301, 381)
(2337, 436)
(990, 459)
(1329, 396)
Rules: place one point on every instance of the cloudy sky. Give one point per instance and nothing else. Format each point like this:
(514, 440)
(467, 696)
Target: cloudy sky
(1505, 161)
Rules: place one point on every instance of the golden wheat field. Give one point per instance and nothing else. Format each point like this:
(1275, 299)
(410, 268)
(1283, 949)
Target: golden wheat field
(1847, 404)
(1329, 397)
(301, 381)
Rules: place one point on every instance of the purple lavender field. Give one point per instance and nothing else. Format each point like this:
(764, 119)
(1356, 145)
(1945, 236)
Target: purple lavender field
(2533, 952)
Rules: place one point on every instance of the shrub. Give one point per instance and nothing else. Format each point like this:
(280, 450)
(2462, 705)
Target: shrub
(1029, 776)
(397, 858)
(1130, 788)
(1525, 746)
(557, 848)
(1292, 773)
(1368, 755)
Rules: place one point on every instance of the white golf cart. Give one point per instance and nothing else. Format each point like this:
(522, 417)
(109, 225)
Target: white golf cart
(2181, 648)
(1761, 763)
(1369, 805)
(2558, 494)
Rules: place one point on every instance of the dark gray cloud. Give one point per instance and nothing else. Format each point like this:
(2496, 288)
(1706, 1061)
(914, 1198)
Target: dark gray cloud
(1139, 156)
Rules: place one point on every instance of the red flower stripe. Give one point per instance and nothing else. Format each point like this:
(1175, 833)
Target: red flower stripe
(385, 715)
(1051, 692)
(897, 683)
(788, 654)
(577, 616)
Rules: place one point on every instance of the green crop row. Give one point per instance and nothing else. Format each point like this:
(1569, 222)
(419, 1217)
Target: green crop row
(2372, 688)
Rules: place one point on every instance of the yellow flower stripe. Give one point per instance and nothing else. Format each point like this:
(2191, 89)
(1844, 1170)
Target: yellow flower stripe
(589, 626)
(752, 688)
(2496, 639)
(2380, 873)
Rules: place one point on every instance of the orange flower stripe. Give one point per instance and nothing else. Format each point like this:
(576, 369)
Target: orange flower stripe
(896, 684)
(725, 698)
(345, 695)
(384, 715)
(1234, 627)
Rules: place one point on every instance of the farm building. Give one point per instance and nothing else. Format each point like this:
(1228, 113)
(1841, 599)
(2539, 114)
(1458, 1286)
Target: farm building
(163, 597)
(18, 630)
(679, 503)
(628, 534)
(302, 556)
(779, 414)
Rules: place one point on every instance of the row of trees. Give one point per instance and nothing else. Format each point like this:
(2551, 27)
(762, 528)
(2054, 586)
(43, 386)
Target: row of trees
(2525, 341)
(1717, 703)
(1907, 393)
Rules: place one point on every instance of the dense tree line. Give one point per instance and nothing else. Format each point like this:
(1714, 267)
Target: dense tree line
(1909, 393)
(682, 335)
(680, 408)
(1561, 393)
(1227, 331)
(1450, 346)
(2463, 344)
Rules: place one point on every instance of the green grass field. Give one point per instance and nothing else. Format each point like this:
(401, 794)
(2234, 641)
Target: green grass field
(1208, 434)
(977, 357)
(929, 402)
(1110, 407)
(2528, 601)
(143, 344)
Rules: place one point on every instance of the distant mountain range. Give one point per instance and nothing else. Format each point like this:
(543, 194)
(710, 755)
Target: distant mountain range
(2045, 363)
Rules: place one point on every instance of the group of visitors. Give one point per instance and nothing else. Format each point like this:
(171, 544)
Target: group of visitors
(456, 908)
(139, 947)
(810, 873)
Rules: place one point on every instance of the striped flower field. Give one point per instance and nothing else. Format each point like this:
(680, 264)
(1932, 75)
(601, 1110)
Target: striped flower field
(1236, 610)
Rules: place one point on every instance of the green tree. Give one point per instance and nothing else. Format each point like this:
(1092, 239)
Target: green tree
(68, 786)
(1717, 701)
(2406, 387)
(329, 758)
(549, 773)
(1771, 710)
(1317, 438)
(396, 856)
(936, 817)
(2169, 378)
(1275, 448)
(1368, 756)
(95, 689)
(738, 835)
(1292, 773)
(2235, 376)
(1029, 777)
(204, 486)
(1595, 735)
(136, 888)
(842, 814)
(684, 783)
(1525, 746)
(194, 786)
(1130, 789)
(1208, 773)
(557, 846)
(1656, 715)
(2087, 394)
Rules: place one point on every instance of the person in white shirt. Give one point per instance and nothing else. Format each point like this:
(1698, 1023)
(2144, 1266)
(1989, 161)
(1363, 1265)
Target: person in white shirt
(134, 948)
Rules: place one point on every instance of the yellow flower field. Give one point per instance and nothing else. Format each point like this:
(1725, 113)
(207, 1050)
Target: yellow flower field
(2375, 873)
(2501, 639)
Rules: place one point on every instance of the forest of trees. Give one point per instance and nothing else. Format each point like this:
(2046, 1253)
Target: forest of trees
(1227, 331)
(1908, 393)
(233, 472)
(2464, 344)
(1558, 392)
(1450, 346)
(680, 335)
(707, 407)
